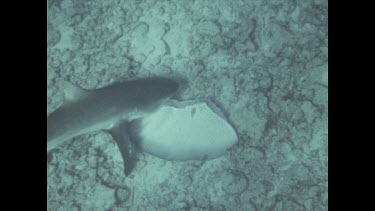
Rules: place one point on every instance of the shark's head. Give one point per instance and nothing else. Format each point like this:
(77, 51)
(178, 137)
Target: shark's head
(166, 87)
(151, 92)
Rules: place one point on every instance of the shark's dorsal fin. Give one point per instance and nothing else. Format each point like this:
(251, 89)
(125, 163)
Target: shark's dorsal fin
(73, 92)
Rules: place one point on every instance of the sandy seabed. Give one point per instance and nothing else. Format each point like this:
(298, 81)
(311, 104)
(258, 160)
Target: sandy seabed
(264, 63)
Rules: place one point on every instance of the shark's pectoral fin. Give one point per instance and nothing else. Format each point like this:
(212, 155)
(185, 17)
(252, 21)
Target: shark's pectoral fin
(129, 151)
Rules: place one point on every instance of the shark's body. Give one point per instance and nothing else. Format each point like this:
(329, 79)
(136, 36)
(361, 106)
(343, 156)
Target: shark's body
(108, 108)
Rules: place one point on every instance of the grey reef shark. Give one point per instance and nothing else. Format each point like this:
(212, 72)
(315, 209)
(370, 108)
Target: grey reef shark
(112, 109)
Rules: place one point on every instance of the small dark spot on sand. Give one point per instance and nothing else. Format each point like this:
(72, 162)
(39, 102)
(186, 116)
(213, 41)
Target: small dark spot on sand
(193, 112)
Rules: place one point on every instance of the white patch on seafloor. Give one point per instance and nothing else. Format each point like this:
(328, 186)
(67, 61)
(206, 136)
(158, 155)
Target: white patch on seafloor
(172, 133)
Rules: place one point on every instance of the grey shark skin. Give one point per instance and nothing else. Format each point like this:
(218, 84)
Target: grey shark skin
(107, 108)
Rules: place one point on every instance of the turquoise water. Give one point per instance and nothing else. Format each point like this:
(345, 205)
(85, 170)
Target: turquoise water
(263, 63)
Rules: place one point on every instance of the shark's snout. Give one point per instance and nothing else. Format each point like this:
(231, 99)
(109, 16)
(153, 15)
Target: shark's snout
(165, 87)
(173, 86)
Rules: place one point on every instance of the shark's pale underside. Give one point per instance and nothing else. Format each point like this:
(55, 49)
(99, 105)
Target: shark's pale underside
(109, 108)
